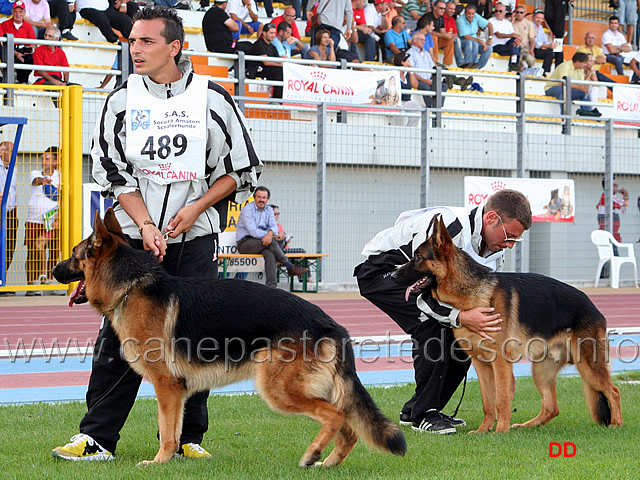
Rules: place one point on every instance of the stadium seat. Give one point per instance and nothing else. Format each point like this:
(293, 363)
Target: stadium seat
(605, 242)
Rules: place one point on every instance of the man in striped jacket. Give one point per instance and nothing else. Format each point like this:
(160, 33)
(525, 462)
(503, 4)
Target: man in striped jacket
(173, 149)
(483, 233)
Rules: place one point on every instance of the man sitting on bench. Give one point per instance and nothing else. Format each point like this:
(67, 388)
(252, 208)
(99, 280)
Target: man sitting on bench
(255, 234)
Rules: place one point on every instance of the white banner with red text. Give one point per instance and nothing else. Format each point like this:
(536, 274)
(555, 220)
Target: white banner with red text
(315, 84)
(552, 200)
(626, 103)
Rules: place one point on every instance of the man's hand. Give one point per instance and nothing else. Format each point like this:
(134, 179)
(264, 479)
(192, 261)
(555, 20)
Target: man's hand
(152, 240)
(481, 321)
(267, 239)
(183, 221)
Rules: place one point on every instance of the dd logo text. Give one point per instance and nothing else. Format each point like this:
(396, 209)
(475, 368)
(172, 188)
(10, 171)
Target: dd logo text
(568, 449)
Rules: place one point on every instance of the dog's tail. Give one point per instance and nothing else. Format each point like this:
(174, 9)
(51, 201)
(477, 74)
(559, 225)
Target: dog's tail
(603, 410)
(364, 416)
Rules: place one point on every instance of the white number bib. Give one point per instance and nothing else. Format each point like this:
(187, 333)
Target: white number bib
(167, 139)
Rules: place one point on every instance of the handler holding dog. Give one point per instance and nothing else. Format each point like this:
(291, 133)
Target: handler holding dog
(173, 162)
(483, 233)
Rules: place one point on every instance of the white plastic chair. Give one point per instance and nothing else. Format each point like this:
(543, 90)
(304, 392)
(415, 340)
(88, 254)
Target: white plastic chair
(604, 242)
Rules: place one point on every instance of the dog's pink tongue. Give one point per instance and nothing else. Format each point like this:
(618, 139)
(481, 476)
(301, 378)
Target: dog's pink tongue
(76, 293)
(409, 291)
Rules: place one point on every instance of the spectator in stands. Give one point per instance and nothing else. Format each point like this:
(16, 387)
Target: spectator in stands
(240, 11)
(441, 38)
(37, 14)
(12, 205)
(100, 13)
(422, 59)
(363, 31)
(285, 43)
(483, 7)
(574, 69)
(264, 47)
(620, 201)
(590, 48)
(255, 234)
(472, 45)
(129, 7)
(20, 29)
(542, 49)
(426, 26)
(412, 11)
(218, 28)
(65, 12)
(376, 18)
(396, 39)
(323, 49)
(527, 32)
(614, 44)
(408, 81)
(635, 66)
(506, 41)
(627, 12)
(41, 225)
(555, 12)
(450, 26)
(288, 16)
(54, 56)
(334, 14)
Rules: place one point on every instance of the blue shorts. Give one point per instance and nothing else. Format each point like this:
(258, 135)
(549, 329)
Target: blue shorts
(243, 29)
(628, 12)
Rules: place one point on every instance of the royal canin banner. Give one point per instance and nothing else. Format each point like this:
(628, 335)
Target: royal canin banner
(351, 87)
(626, 102)
(552, 200)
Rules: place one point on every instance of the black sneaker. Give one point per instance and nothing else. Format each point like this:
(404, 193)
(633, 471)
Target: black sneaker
(405, 419)
(456, 422)
(69, 36)
(434, 422)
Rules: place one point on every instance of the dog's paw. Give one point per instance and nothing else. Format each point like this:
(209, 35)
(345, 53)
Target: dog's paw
(145, 463)
(517, 425)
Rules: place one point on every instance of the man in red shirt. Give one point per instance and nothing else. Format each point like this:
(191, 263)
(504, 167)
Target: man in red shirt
(51, 55)
(451, 27)
(20, 29)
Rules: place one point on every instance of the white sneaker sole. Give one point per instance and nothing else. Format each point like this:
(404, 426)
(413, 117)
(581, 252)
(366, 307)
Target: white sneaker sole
(445, 431)
(98, 457)
(406, 424)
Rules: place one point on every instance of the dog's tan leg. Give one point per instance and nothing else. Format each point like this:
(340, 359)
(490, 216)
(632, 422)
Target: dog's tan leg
(345, 441)
(503, 374)
(170, 393)
(488, 391)
(544, 376)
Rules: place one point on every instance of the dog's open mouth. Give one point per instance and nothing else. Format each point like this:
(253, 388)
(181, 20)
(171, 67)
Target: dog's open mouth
(78, 295)
(418, 286)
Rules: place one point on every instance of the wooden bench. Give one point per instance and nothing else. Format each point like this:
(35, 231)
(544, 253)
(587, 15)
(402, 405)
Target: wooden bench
(244, 262)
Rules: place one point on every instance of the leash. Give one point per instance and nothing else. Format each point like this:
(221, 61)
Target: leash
(184, 237)
(464, 389)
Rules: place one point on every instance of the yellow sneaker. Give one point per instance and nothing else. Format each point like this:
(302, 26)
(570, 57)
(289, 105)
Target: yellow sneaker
(82, 447)
(192, 451)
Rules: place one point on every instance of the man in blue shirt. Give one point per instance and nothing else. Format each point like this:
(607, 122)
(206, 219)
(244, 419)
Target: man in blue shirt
(286, 44)
(254, 234)
(472, 46)
(396, 39)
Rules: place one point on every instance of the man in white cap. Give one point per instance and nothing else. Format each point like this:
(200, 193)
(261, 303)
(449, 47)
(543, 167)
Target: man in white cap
(16, 26)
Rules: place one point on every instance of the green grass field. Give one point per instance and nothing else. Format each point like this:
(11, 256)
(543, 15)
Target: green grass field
(247, 440)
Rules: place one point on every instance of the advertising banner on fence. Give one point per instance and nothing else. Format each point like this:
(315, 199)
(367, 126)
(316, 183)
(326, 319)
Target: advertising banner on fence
(351, 87)
(552, 200)
(626, 103)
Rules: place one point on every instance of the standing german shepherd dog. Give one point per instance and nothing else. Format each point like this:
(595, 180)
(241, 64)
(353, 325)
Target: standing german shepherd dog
(548, 321)
(186, 335)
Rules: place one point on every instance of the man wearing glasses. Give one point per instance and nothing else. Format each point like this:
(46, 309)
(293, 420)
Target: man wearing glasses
(527, 32)
(442, 38)
(483, 233)
(506, 41)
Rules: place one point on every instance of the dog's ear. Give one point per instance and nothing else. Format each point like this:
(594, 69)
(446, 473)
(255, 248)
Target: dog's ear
(441, 238)
(111, 222)
(99, 233)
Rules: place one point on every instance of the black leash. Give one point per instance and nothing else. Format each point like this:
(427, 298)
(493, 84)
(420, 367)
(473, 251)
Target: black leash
(464, 389)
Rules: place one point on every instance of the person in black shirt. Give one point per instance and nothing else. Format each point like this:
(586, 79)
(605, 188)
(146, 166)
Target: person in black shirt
(264, 47)
(217, 26)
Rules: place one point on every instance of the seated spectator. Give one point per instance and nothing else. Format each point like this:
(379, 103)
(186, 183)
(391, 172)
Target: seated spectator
(323, 49)
(575, 70)
(20, 29)
(240, 11)
(408, 81)
(218, 28)
(412, 11)
(288, 16)
(285, 43)
(41, 225)
(506, 41)
(420, 58)
(614, 44)
(527, 32)
(472, 45)
(590, 48)
(375, 15)
(38, 15)
(363, 32)
(450, 26)
(255, 234)
(267, 69)
(128, 7)
(65, 12)
(100, 13)
(426, 26)
(396, 39)
(6, 148)
(51, 55)
(442, 38)
(284, 239)
(635, 66)
(542, 49)
(484, 8)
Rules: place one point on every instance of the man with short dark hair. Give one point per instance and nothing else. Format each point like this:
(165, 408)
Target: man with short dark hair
(575, 70)
(286, 44)
(218, 28)
(264, 47)
(614, 44)
(473, 45)
(442, 38)
(544, 50)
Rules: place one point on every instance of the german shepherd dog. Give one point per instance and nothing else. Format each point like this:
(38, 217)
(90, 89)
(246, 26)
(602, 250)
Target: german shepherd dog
(548, 321)
(187, 335)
